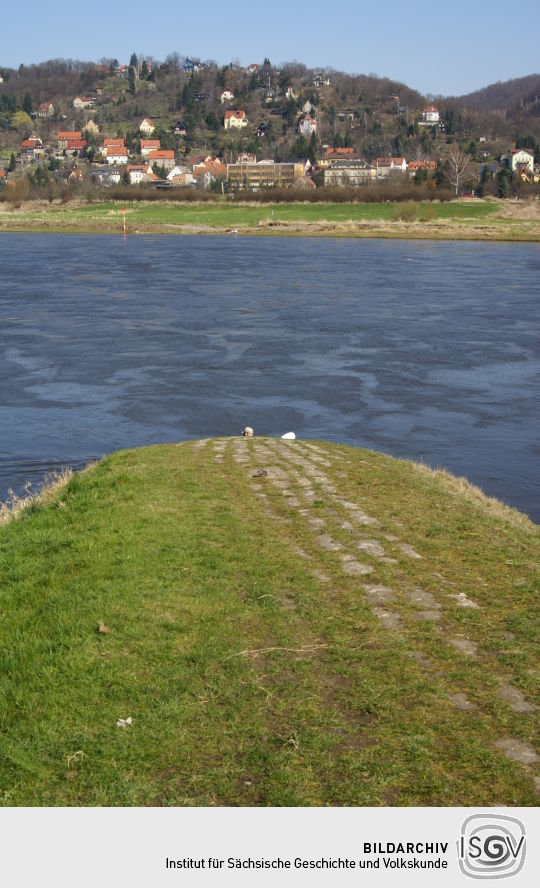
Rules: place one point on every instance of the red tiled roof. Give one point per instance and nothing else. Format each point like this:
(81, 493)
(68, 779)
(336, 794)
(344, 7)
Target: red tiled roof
(114, 143)
(75, 144)
(340, 152)
(117, 151)
(432, 108)
(150, 143)
(238, 114)
(161, 155)
(64, 135)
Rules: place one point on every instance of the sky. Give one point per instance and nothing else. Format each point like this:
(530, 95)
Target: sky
(439, 49)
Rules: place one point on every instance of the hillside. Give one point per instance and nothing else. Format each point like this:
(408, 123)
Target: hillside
(285, 623)
(518, 97)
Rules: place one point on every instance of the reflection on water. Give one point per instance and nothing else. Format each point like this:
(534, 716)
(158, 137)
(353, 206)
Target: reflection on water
(422, 350)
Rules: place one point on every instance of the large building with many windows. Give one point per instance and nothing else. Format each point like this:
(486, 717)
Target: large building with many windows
(265, 174)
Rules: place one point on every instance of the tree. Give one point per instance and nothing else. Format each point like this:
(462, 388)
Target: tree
(125, 178)
(457, 168)
(144, 69)
(133, 60)
(12, 163)
(27, 104)
(131, 79)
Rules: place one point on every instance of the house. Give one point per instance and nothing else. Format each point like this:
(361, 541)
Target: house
(138, 173)
(180, 128)
(226, 96)
(246, 158)
(307, 107)
(332, 152)
(161, 158)
(430, 116)
(191, 67)
(46, 109)
(147, 126)
(179, 177)
(235, 120)
(105, 176)
(290, 93)
(252, 69)
(320, 79)
(76, 175)
(109, 144)
(148, 145)
(387, 165)
(521, 159)
(262, 129)
(75, 147)
(65, 136)
(80, 102)
(31, 149)
(117, 155)
(307, 126)
(349, 171)
(414, 166)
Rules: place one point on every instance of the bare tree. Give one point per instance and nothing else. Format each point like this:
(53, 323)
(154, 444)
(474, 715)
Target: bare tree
(457, 167)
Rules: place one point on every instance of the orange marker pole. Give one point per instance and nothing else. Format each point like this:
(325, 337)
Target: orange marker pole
(124, 217)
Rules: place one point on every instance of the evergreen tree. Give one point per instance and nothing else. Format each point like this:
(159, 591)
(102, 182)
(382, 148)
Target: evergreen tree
(144, 70)
(12, 163)
(131, 79)
(27, 104)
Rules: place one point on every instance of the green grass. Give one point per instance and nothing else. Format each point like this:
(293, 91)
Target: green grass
(224, 214)
(175, 554)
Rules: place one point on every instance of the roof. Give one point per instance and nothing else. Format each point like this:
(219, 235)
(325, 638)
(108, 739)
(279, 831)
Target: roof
(69, 134)
(161, 155)
(45, 105)
(340, 152)
(526, 150)
(110, 143)
(150, 143)
(137, 167)
(147, 120)
(239, 115)
(31, 143)
(75, 143)
(117, 151)
(431, 108)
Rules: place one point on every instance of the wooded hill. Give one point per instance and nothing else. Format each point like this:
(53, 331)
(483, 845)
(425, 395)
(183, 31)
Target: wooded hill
(376, 116)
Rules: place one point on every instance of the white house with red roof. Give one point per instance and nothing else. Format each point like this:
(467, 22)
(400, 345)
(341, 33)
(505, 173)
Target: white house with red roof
(147, 126)
(46, 109)
(80, 102)
(149, 145)
(235, 120)
(117, 155)
(521, 159)
(307, 126)
(226, 96)
(387, 165)
(430, 115)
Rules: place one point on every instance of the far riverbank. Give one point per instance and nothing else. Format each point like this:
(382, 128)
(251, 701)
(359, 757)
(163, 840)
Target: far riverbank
(465, 219)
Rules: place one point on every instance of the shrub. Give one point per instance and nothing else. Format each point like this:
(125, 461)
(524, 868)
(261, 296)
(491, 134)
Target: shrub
(406, 212)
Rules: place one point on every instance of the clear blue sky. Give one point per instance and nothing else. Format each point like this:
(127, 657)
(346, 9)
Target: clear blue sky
(449, 48)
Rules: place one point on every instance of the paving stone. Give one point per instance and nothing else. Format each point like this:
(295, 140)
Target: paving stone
(518, 751)
(351, 566)
(389, 619)
(460, 701)
(463, 601)
(325, 541)
(321, 576)
(434, 615)
(316, 523)
(515, 699)
(371, 547)
(391, 538)
(422, 598)
(300, 552)
(409, 551)
(379, 594)
(464, 646)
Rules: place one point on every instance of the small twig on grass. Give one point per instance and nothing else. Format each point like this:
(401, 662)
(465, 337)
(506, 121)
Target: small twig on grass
(307, 650)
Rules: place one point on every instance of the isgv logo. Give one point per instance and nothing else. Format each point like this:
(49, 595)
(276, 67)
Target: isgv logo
(491, 846)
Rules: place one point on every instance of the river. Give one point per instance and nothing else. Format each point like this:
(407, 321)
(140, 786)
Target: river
(420, 349)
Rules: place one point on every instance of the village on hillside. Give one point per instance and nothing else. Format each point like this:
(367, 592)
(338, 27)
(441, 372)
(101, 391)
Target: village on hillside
(188, 124)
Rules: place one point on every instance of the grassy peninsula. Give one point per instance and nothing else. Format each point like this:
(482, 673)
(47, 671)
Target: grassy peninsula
(285, 623)
(465, 219)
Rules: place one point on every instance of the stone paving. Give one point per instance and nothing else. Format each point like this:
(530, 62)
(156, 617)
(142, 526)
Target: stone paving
(295, 470)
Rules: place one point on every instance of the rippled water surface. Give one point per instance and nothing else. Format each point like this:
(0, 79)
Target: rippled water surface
(419, 349)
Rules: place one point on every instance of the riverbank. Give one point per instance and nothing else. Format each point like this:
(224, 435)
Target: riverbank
(470, 219)
(285, 623)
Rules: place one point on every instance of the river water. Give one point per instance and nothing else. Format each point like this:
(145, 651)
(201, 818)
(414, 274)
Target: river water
(425, 350)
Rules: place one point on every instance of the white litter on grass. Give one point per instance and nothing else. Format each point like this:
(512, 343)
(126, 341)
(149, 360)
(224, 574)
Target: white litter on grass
(288, 436)
(124, 722)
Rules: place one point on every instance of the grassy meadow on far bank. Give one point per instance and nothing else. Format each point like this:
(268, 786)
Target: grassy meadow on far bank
(461, 219)
(285, 624)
